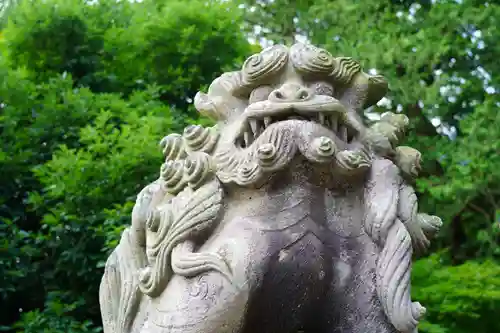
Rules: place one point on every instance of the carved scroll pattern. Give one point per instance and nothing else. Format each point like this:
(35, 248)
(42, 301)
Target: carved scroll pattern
(176, 211)
(119, 294)
(388, 232)
(122, 303)
(179, 225)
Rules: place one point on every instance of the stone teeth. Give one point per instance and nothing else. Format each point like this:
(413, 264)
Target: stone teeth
(260, 127)
(322, 118)
(247, 138)
(334, 123)
(267, 121)
(254, 126)
(342, 132)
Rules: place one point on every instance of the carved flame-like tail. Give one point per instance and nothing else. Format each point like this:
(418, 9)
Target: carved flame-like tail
(393, 280)
(394, 261)
(120, 296)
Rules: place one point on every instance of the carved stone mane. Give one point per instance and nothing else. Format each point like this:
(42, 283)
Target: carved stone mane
(288, 202)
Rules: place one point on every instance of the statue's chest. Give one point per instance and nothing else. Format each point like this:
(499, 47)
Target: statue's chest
(296, 241)
(295, 275)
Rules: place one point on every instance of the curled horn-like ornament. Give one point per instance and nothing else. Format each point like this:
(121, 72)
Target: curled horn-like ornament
(391, 126)
(308, 58)
(400, 121)
(219, 103)
(172, 173)
(198, 138)
(344, 70)
(408, 161)
(265, 63)
(198, 168)
(173, 147)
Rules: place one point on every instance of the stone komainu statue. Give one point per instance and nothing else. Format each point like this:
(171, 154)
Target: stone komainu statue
(289, 215)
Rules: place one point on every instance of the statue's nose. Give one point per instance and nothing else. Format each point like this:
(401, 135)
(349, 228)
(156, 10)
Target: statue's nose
(290, 93)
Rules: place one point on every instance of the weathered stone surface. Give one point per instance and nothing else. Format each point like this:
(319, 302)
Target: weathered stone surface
(289, 215)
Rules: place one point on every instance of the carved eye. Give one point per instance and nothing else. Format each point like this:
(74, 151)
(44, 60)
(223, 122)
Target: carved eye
(259, 94)
(323, 88)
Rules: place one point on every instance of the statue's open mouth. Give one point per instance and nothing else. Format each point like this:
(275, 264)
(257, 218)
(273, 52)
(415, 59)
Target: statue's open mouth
(322, 110)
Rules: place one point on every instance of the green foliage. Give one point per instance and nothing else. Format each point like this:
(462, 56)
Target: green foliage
(117, 46)
(56, 318)
(179, 48)
(53, 37)
(105, 149)
(462, 299)
(86, 93)
(276, 20)
(469, 186)
(81, 185)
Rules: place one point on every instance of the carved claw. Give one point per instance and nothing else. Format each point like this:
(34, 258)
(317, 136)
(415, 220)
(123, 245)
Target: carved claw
(430, 224)
(408, 161)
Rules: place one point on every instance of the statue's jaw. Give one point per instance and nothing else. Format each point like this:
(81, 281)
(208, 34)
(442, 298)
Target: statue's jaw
(267, 136)
(322, 110)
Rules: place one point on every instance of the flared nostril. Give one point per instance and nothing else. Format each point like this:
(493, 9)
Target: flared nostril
(290, 93)
(278, 95)
(303, 94)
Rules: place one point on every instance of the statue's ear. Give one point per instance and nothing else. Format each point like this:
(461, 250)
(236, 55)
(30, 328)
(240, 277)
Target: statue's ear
(359, 89)
(366, 90)
(377, 89)
(225, 97)
(207, 107)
